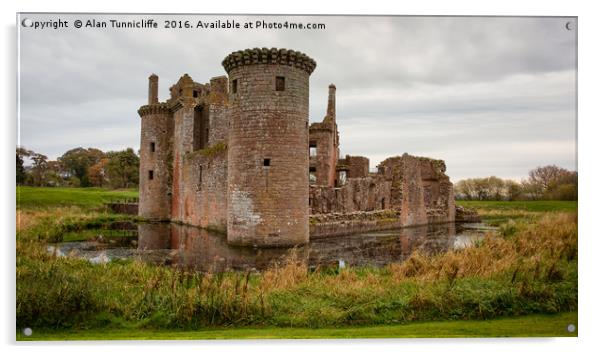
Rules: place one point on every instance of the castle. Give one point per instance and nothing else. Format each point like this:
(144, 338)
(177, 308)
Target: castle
(238, 155)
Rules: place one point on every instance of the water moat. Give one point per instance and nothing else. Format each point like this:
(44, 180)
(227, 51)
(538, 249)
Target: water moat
(197, 249)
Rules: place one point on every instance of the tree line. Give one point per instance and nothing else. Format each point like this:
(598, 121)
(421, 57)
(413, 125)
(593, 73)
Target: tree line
(544, 183)
(79, 167)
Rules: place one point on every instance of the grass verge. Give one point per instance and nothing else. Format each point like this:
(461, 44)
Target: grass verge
(522, 326)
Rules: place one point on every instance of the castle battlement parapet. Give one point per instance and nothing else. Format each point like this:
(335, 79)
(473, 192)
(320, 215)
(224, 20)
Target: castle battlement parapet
(269, 56)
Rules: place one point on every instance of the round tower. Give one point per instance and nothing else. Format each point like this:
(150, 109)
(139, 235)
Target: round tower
(155, 156)
(268, 158)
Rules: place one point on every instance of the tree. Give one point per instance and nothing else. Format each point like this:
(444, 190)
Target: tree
(97, 173)
(21, 173)
(39, 168)
(514, 190)
(122, 168)
(53, 176)
(489, 188)
(464, 189)
(544, 176)
(553, 182)
(77, 162)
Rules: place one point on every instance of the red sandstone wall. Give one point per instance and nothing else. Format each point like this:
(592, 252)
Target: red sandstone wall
(157, 128)
(357, 166)
(413, 209)
(358, 194)
(326, 157)
(214, 189)
(182, 195)
(420, 189)
(267, 206)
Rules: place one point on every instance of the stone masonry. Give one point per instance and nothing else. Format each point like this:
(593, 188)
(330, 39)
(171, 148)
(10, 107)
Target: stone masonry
(237, 155)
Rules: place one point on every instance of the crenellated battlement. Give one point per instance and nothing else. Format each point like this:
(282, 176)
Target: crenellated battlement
(269, 56)
(155, 108)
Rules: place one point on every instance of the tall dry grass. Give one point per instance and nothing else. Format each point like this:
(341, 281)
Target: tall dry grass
(531, 248)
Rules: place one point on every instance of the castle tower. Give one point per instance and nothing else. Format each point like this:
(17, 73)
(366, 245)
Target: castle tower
(267, 147)
(155, 158)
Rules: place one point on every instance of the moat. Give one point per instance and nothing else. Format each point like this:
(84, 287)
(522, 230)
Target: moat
(200, 250)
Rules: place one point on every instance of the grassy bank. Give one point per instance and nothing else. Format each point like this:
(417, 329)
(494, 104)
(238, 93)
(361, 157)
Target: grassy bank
(523, 326)
(531, 270)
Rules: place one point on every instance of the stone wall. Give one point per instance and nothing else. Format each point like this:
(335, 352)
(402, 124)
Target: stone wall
(420, 189)
(155, 161)
(358, 194)
(183, 191)
(214, 186)
(268, 158)
(123, 208)
(325, 137)
(413, 206)
(469, 215)
(391, 170)
(339, 224)
(356, 166)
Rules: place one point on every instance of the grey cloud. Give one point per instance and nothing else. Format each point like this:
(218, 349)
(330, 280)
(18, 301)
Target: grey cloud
(471, 90)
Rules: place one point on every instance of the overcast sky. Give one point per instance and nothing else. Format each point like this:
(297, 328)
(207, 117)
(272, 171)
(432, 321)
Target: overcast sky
(490, 96)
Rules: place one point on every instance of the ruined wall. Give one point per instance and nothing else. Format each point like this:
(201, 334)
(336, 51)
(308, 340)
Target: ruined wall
(358, 194)
(356, 166)
(339, 224)
(391, 170)
(420, 189)
(413, 209)
(324, 162)
(325, 136)
(268, 156)
(437, 190)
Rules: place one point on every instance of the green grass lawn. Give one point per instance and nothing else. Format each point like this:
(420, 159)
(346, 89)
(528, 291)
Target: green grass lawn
(49, 197)
(496, 212)
(530, 205)
(524, 326)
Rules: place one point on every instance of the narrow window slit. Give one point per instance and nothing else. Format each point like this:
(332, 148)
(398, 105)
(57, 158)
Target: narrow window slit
(279, 83)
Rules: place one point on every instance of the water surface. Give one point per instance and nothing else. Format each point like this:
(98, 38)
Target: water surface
(196, 249)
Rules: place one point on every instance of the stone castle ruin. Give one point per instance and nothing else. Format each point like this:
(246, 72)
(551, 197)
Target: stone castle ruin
(238, 155)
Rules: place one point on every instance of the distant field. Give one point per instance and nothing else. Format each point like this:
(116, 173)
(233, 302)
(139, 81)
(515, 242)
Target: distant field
(48, 197)
(497, 212)
(534, 206)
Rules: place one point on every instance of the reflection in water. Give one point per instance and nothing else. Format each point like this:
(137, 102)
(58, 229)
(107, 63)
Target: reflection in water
(192, 248)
